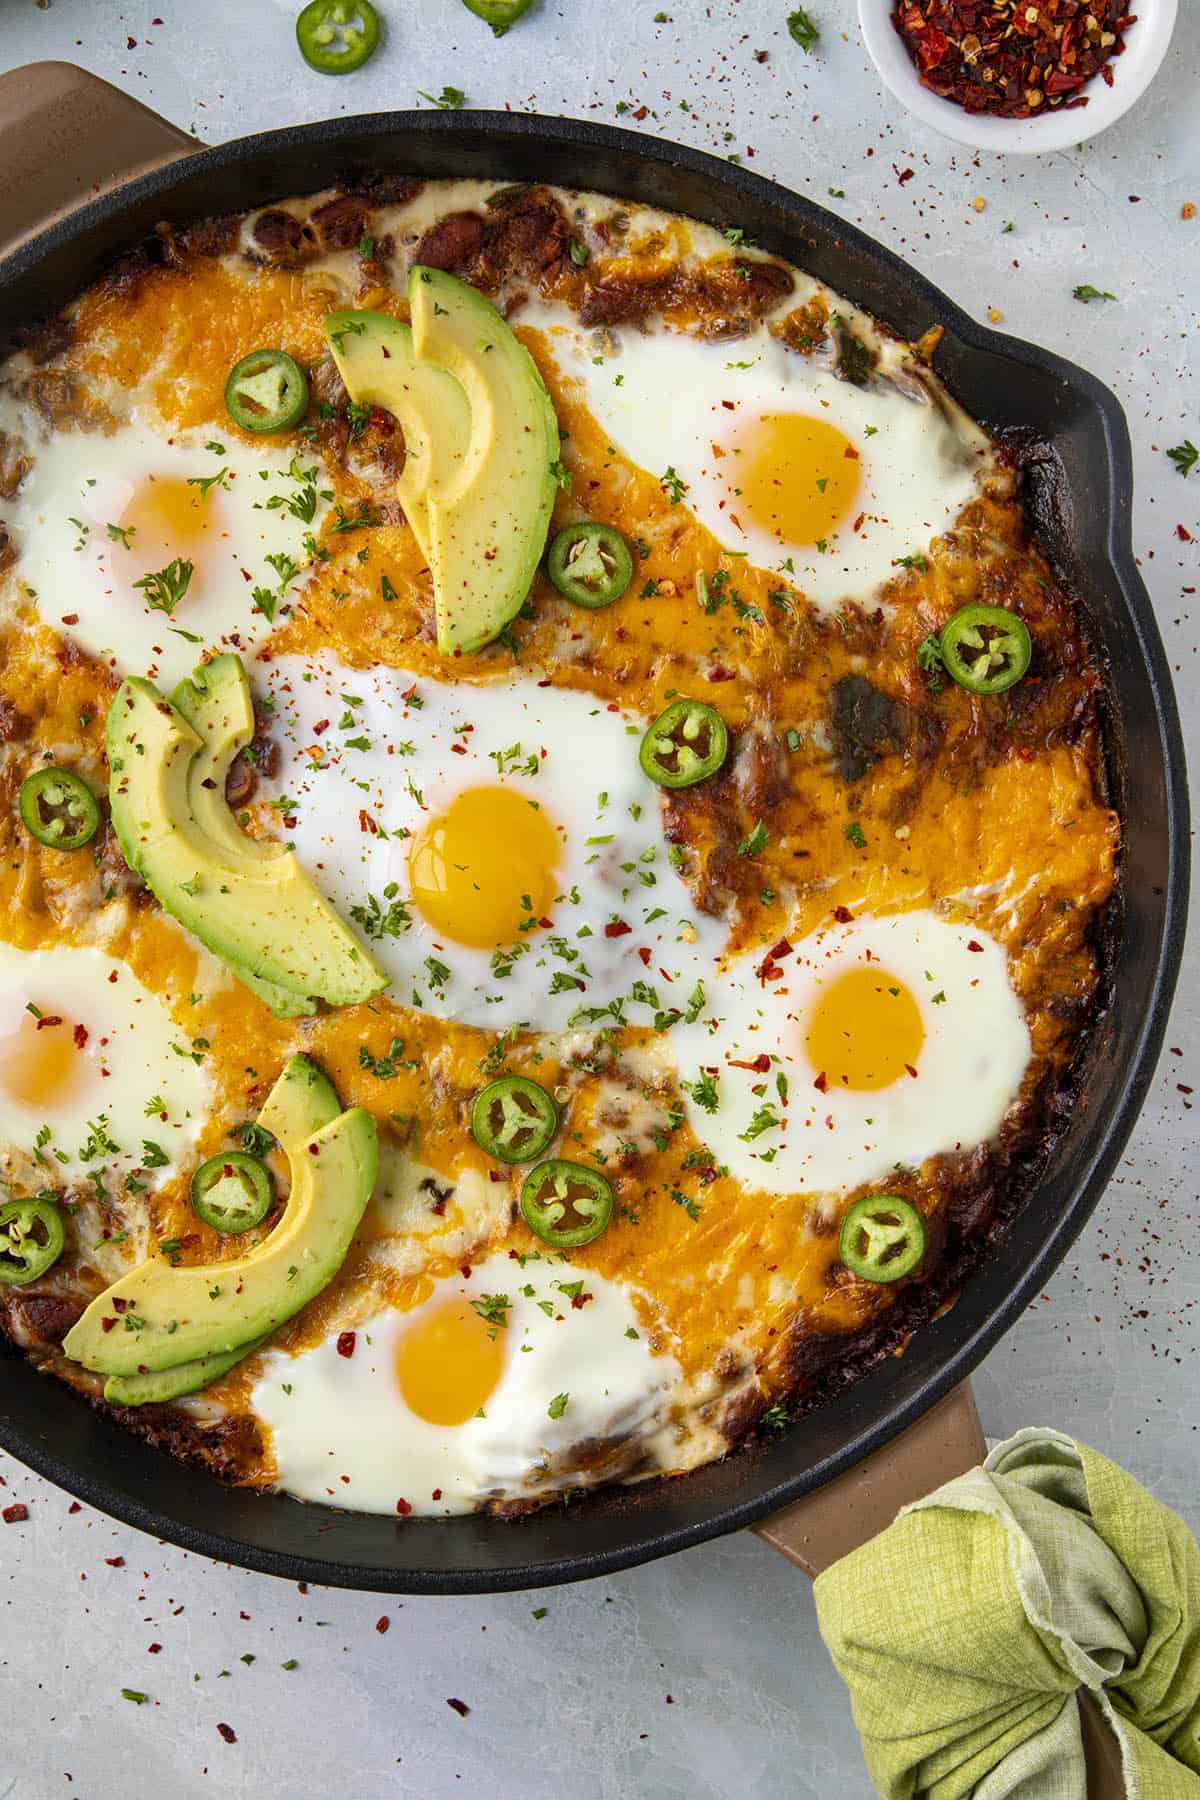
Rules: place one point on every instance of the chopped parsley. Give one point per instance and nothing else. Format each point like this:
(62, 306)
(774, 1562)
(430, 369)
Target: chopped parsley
(450, 98)
(1085, 292)
(165, 588)
(673, 485)
(558, 1405)
(1185, 456)
(801, 29)
(757, 841)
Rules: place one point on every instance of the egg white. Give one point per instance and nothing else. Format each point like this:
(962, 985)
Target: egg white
(383, 765)
(82, 578)
(831, 1140)
(665, 398)
(341, 1433)
(132, 1053)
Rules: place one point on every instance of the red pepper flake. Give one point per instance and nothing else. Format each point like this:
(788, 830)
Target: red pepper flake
(820, 1083)
(403, 1508)
(115, 1562)
(974, 944)
(1183, 534)
(80, 1035)
(1182, 1089)
(346, 1342)
(579, 1301)
(843, 915)
(153, 1649)
(16, 1514)
(903, 175)
(366, 822)
(1009, 58)
(382, 1624)
(47, 1020)
(437, 1494)
(458, 749)
(227, 1732)
(70, 618)
(460, 1706)
(107, 1324)
(617, 928)
(119, 1305)
(760, 1065)
(719, 672)
(911, 1070)
(74, 1507)
(645, 956)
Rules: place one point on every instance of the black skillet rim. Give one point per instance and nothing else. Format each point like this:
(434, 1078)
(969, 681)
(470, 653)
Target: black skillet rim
(980, 1317)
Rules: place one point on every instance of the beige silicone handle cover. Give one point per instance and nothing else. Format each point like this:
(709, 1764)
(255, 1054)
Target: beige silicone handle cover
(815, 1531)
(66, 136)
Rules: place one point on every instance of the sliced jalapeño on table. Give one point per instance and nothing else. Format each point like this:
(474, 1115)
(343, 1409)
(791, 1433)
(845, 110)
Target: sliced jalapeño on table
(336, 36)
(499, 14)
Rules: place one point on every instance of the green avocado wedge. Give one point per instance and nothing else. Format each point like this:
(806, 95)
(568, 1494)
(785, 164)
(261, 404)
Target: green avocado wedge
(159, 1385)
(300, 1104)
(481, 445)
(252, 904)
(157, 1318)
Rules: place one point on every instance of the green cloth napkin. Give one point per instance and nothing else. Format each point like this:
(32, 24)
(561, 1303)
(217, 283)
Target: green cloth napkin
(964, 1630)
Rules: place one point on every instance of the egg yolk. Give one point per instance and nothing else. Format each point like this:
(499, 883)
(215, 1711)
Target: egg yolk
(448, 1363)
(40, 1063)
(484, 865)
(165, 519)
(795, 477)
(865, 1031)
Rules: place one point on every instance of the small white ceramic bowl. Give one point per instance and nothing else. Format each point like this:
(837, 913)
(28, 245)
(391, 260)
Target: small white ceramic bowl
(1145, 47)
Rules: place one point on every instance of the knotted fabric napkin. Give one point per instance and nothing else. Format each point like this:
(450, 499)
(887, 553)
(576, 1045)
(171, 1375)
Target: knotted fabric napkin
(965, 1629)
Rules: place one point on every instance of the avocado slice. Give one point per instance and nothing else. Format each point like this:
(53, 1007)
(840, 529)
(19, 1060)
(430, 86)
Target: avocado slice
(302, 1101)
(158, 1385)
(376, 360)
(166, 1317)
(251, 903)
(481, 494)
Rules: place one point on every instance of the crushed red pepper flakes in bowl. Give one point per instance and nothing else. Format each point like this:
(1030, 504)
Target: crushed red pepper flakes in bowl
(1012, 58)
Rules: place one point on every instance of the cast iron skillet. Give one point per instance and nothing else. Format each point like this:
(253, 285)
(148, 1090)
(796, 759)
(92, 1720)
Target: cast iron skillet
(1080, 489)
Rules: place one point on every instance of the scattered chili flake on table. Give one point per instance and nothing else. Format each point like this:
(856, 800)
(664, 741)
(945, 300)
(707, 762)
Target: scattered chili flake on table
(1012, 57)
(16, 1514)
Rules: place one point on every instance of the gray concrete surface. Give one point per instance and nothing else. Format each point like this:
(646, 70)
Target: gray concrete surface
(704, 1675)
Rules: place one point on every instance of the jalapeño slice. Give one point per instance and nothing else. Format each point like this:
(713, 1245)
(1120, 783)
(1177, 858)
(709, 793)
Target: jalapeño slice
(590, 564)
(882, 1238)
(336, 36)
(59, 809)
(499, 14)
(31, 1239)
(986, 648)
(232, 1192)
(686, 744)
(565, 1204)
(513, 1119)
(266, 391)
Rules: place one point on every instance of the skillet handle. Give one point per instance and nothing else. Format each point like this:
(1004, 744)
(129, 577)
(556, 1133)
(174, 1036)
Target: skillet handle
(946, 1442)
(816, 1531)
(65, 137)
